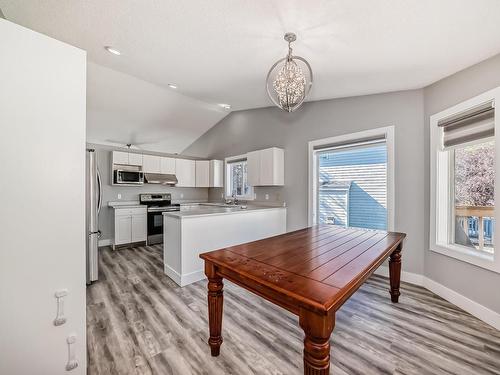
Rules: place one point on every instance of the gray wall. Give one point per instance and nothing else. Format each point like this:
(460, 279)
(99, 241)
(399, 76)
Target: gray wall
(245, 131)
(129, 193)
(476, 283)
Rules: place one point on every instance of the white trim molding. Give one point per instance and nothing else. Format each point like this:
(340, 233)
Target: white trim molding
(474, 308)
(441, 219)
(385, 132)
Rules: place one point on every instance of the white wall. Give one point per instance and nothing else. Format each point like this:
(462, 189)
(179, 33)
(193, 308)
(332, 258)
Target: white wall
(42, 200)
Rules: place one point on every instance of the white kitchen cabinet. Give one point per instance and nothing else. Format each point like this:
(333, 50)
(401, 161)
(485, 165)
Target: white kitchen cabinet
(216, 173)
(139, 227)
(185, 170)
(126, 158)
(135, 159)
(266, 167)
(130, 225)
(120, 157)
(253, 168)
(151, 164)
(202, 173)
(167, 165)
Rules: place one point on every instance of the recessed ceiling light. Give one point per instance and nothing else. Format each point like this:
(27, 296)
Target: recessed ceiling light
(172, 86)
(112, 50)
(225, 106)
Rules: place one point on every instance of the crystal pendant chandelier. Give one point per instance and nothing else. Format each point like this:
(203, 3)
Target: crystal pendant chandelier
(289, 80)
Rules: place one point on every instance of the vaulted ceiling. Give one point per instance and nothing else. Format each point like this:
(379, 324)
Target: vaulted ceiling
(219, 51)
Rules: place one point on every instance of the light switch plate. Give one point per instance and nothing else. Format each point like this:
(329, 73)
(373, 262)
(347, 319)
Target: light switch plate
(119, 196)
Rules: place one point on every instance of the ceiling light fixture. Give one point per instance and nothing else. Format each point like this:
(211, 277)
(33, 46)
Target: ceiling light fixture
(227, 107)
(113, 50)
(289, 80)
(172, 86)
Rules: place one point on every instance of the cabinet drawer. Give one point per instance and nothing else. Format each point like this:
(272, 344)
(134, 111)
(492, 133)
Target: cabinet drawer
(130, 211)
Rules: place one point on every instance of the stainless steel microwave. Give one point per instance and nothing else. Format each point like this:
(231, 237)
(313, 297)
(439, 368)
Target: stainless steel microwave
(128, 177)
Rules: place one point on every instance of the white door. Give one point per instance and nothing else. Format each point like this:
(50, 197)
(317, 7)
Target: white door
(42, 95)
(123, 229)
(139, 228)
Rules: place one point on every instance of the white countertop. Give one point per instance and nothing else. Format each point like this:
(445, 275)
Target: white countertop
(207, 209)
(125, 204)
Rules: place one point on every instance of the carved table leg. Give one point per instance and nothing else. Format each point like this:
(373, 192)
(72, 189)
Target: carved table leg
(317, 329)
(395, 273)
(215, 303)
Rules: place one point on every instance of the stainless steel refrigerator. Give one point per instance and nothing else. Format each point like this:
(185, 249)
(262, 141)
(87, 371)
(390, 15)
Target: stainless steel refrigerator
(94, 202)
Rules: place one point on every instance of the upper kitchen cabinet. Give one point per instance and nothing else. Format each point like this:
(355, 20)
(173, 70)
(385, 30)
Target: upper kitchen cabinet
(216, 173)
(126, 158)
(167, 165)
(266, 167)
(151, 164)
(185, 170)
(202, 173)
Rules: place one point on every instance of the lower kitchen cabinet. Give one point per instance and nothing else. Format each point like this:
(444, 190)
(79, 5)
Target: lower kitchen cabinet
(130, 225)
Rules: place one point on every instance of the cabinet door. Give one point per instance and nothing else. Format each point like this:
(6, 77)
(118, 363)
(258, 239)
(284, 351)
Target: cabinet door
(167, 165)
(120, 157)
(123, 229)
(135, 159)
(216, 173)
(139, 227)
(185, 171)
(202, 173)
(151, 164)
(253, 168)
(266, 167)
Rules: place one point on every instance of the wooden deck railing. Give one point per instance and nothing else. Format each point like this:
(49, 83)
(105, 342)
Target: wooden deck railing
(478, 211)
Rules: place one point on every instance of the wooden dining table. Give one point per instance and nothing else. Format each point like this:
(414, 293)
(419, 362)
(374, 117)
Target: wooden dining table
(310, 272)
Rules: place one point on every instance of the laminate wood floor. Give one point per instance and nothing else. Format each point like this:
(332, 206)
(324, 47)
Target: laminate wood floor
(140, 322)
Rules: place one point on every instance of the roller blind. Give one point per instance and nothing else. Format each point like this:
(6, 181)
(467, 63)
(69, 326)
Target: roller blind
(471, 125)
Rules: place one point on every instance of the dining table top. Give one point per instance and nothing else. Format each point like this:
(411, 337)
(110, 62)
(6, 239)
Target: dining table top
(317, 268)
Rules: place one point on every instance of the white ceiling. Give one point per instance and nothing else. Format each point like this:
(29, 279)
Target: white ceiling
(219, 51)
(123, 109)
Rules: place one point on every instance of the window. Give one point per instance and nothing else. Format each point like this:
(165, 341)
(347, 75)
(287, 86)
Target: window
(352, 185)
(351, 180)
(463, 172)
(237, 178)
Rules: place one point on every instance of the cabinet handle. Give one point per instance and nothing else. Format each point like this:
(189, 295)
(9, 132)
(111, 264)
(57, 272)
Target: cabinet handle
(60, 318)
(72, 362)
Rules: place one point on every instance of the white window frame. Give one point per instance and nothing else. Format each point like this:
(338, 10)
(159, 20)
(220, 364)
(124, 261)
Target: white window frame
(250, 196)
(386, 132)
(441, 185)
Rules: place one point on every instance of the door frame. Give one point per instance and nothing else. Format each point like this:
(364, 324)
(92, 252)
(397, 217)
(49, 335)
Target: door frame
(386, 132)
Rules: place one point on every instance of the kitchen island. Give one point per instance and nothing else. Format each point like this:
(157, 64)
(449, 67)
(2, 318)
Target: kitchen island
(200, 228)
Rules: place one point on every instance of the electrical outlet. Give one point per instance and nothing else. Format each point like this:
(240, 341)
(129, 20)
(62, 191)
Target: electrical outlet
(182, 195)
(222, 195)
(119, 196)
(267, 197)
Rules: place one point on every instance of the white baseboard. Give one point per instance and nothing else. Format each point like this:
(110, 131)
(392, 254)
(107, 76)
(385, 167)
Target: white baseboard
(184, 279)
(479, 311)
(102, 243)
(408, 277)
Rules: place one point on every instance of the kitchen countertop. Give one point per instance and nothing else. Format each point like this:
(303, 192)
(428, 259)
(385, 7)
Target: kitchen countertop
(208, 209)
(126, 204)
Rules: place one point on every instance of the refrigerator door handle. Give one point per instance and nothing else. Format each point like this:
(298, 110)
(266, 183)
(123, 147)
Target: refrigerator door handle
(99, 196)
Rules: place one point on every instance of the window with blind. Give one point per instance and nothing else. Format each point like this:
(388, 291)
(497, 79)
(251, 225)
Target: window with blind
(463, 171)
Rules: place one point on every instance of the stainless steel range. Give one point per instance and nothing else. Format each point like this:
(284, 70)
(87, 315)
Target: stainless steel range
(157, 204)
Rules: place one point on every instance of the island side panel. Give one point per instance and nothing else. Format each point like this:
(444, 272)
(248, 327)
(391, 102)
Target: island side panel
(212, 232)
(172, 247)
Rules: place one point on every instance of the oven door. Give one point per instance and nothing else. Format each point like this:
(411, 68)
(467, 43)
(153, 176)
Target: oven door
(155, 227)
